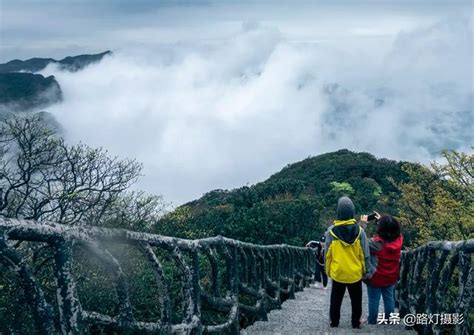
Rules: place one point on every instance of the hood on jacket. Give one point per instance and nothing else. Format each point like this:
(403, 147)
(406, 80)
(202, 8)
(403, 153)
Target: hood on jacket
(392, 247)
(347, 233)
(345, 209)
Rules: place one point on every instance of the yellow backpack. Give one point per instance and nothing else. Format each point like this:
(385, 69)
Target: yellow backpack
(345, 262)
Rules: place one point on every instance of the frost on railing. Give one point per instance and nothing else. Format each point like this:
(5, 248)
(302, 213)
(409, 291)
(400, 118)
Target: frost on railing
(222, 284)
(437, 280)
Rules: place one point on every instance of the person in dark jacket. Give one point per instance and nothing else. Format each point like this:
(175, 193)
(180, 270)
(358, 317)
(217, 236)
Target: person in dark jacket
(320, 276)
(385, 252)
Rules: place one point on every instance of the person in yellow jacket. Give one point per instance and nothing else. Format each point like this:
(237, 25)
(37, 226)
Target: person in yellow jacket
(347, 261)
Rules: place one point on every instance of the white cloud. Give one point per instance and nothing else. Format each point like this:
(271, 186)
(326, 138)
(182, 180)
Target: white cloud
(202, 116)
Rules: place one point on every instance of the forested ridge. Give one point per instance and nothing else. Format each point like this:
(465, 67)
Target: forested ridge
(70, 63)
(298, 203)
(293, 205)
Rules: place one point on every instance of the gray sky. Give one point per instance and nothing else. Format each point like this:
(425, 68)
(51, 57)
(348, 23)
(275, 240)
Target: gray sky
(222, 94)
(57, 28)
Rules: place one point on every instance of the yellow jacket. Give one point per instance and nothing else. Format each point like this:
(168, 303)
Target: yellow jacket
(347, 252)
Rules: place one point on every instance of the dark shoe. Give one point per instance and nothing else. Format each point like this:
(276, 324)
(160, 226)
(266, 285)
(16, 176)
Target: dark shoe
(357, 325)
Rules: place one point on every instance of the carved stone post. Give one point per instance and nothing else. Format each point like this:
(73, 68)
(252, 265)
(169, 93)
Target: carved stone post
(68, 303)
(196, 293)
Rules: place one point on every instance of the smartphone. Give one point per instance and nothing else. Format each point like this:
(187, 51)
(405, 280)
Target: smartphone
(371, 217)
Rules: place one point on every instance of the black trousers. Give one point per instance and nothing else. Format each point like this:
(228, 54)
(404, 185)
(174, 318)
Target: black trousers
(320, 274)
(337, 295)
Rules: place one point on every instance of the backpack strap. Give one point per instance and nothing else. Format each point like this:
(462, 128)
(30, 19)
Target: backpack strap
(333, 235)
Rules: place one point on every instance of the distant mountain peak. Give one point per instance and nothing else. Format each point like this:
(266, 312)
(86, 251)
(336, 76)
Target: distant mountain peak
(70, 63)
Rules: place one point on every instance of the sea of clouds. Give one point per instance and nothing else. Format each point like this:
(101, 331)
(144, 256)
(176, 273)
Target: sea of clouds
(225, 113)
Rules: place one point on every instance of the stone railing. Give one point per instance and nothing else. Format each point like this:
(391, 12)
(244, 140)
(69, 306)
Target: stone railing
(437, 280)
(239, 280)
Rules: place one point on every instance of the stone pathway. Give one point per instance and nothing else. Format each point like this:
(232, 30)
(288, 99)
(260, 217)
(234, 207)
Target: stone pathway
(309, 314)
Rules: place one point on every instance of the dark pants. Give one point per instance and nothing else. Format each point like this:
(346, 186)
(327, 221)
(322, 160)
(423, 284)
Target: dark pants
(320, 275)
(337, 294)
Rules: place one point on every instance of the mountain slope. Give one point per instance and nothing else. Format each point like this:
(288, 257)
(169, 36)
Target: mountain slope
(74, 63)
(293, 205)
(22, 91)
